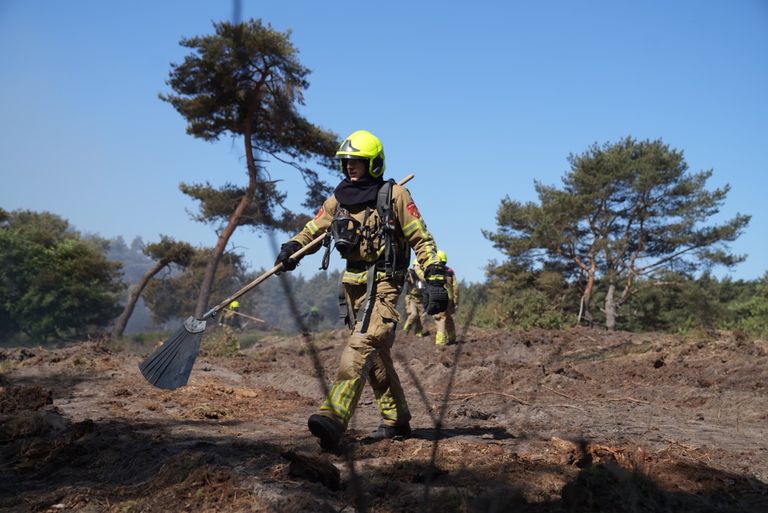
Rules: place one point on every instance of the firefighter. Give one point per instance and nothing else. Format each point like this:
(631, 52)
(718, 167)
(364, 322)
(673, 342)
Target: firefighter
(445, 328)
(373, 224)
(414, 307)
(230, 321)
(313, 318)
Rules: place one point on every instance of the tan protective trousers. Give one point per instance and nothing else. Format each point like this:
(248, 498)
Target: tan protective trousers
(417, 317)
(367, 356)
(445, 327)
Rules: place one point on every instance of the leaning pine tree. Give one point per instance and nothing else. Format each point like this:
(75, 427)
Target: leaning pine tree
(626, 210)
(246, 81)
(164, 253)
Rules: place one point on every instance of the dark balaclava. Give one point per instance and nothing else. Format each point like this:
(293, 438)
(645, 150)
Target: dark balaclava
(363, 191)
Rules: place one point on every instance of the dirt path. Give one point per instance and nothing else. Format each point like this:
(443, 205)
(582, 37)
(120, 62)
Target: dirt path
(574, 421)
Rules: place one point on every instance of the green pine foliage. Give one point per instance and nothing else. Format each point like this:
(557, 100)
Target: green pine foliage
(671, 302)
(164, 253)
(679, 303)
(246, 81)
(516, 297)
(172, 297)
(626, 211)
(749, 311)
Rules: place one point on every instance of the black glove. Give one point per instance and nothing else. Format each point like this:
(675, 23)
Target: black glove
(284, 257)
(435, 295)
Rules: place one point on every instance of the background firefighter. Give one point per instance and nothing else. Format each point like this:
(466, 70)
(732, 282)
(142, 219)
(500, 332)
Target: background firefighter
(313, 318)
(445, 327)
(414, 301)
(375, 238)
(230, 322)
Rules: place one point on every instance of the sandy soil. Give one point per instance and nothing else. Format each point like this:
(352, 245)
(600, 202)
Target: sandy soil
(543, 421)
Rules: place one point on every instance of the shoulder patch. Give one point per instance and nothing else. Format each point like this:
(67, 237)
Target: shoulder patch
(413, 210)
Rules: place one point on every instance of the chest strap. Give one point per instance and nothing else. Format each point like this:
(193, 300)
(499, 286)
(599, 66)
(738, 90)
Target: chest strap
(388, 226)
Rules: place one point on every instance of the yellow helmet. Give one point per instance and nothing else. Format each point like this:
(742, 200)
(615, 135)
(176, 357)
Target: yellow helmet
(363, 145)
(442, 256)
(234, 305)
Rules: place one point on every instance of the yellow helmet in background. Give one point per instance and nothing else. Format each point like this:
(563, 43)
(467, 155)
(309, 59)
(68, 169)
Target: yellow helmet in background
(363, 145)
(442, 256)
(234, 305)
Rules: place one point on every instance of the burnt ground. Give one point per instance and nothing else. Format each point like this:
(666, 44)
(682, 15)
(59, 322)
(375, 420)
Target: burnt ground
(540, 421)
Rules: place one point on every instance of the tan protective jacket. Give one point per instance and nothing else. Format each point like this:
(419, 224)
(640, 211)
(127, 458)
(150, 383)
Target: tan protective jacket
(412, 231)
(415, 284)
(452, 286)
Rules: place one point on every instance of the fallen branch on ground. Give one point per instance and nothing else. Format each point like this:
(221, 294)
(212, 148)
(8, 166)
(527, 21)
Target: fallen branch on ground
(475, 394)
(559, 393)
(631, 399)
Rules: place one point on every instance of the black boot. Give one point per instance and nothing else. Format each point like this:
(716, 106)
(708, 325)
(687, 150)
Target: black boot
(327, 429)
(387, 431)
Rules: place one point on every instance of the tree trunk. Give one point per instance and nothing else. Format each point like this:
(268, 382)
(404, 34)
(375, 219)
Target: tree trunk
(585, 312)
(206, 287)
(610, 308)
(122, 322)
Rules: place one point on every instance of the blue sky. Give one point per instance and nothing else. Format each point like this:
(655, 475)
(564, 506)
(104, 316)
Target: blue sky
(479, 99)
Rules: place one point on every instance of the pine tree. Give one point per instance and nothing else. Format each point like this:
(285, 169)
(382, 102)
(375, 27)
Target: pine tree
(164, 253)
(625, 210)
(246, 81)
